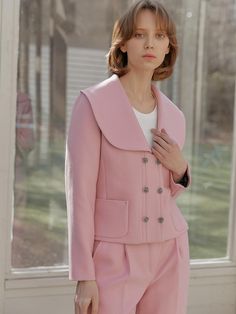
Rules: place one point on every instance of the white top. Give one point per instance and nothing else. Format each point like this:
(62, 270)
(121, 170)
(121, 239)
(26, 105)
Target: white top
(147, 121)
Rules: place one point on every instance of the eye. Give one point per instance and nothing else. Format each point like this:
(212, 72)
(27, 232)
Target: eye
(138, 35)
(161, 35)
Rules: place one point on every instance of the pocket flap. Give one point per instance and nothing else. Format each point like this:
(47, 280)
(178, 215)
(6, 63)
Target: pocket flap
(111, 218)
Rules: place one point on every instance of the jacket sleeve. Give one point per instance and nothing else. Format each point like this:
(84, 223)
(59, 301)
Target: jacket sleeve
(82, 158)
(177, 187)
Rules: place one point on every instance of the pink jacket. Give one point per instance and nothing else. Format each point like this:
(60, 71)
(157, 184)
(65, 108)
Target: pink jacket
(115, 188)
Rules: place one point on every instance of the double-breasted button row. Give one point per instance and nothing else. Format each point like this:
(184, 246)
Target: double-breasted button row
(159, 219)
(145, 160)
(146, 189)
(160, 190)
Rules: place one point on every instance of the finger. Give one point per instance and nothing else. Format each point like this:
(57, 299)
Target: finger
(95, 305)
(84, 304)
(77, 308)
(76, 303)
(164, 131)
(157, 132)
(161, 142)
(164, 136)
(154, 131)
(157, 154)
(159, 149)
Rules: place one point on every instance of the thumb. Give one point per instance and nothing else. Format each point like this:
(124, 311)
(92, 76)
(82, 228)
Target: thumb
(95, 305)
(164, 131)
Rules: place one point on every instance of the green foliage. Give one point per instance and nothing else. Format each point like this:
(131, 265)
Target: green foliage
(206, 204)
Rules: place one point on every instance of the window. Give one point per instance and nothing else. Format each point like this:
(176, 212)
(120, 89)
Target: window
(61, 52)
(203, 74)
(207, 206)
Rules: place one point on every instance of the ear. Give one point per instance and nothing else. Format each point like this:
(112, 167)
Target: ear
(167, 50)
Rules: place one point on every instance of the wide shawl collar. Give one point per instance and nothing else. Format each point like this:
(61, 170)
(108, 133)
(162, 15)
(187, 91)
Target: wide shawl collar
(117, 121)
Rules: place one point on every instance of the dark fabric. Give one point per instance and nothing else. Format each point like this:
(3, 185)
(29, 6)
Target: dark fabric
(184, 180)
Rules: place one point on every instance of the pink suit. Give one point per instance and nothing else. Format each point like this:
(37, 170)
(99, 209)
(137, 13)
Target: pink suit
(120, 196)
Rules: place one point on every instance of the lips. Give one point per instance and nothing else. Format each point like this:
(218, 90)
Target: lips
(149, 55)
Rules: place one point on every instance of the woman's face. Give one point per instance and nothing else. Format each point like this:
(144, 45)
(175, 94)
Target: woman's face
(147, 39)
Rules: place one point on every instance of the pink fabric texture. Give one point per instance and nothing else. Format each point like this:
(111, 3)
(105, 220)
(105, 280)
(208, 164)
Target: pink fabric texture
(147, 278)
(115, 189)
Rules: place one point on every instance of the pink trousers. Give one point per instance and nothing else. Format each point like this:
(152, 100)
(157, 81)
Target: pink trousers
(149, 278)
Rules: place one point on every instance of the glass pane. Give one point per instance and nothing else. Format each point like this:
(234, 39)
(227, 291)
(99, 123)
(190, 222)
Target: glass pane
(207, 206)
(61, 52)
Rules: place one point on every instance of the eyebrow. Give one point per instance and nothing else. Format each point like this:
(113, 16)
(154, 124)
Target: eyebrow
(144, 29)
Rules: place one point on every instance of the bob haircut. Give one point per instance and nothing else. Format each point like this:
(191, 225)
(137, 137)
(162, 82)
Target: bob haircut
(124, 29)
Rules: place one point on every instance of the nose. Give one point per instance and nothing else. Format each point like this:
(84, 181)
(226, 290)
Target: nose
(149, 42)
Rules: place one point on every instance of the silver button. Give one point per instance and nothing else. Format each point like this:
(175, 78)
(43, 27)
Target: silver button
(145, 189)
(145, 159)
(160, 220)
(159, 190)
(145, 218)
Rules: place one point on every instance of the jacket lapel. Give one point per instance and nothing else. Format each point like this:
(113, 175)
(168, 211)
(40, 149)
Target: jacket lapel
(115, 116)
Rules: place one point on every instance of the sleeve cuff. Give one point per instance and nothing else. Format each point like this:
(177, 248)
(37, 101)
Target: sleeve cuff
(182, 184)
(81, 271)
(184, 180)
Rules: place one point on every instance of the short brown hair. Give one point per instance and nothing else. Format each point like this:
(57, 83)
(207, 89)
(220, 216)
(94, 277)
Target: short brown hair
(123, 30)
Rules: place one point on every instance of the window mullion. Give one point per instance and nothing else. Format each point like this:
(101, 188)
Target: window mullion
(232, 215)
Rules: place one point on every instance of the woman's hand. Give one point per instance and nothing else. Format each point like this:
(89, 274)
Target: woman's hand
(86, 293)
(169, 154)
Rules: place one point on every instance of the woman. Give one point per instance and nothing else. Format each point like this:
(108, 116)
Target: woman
(128, 241)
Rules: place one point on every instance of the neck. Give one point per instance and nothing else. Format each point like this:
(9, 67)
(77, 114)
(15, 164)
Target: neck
(138, 88)
(137, 85)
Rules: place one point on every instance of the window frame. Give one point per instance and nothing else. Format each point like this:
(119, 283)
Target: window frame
(57, 276)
